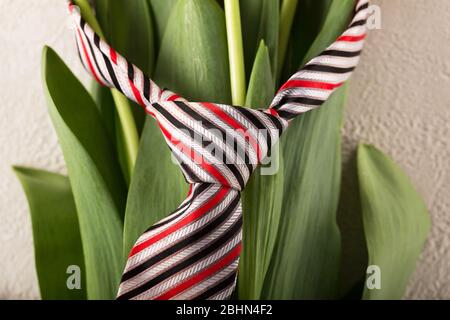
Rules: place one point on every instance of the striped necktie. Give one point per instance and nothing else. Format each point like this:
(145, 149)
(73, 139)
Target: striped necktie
(194, 252)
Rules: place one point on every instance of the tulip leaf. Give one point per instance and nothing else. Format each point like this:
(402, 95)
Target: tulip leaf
(261, 87)
(161, 10)
(260, 21)
(337, 19)
(396, 222)
(317, 24)
(105, 104)
(56, 234)
(262, 197)
(305, 263)
(98, 187)
(193, 60)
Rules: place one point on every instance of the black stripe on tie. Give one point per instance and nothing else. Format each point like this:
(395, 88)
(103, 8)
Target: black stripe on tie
(287, 115)
(364, 6)
(299, 100)
(91, 49)
(209, 125)
(80, 57)
(147, 88)
(202, 187)
(188, 171)
(255, 121)
(277, 123)
(110, 69)
(205, 142)
(130, 71)
(219, 242)
(358, 23)
(339, 53)
(191, 239)
(225, 283)
(329, 69)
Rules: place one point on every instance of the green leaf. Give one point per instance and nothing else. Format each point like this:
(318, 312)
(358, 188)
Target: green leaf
(157, 188)
(261, 87)
(105, 104)
(94, 173)
(161, 10)
(305, 264)
(262, 197)
(396, 221)
(260, 21)
(56, 235)
(317, 24)
(337, 19)
(193, 60)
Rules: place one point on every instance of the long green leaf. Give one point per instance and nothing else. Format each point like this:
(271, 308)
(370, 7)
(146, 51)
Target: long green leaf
(306, 32)
(56, 234)
(97, 184)
(262, 197)
(337, 19)
(193, 60)
(261, 87)
(396, 221)
(161, 10)
(305, 264)
(105, 104)
(260, 21)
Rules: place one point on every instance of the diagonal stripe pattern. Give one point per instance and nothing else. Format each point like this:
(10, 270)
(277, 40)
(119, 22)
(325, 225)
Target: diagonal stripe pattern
(194, 252)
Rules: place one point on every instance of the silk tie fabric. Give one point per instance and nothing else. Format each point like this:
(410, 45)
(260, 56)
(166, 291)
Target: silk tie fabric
(194, 252)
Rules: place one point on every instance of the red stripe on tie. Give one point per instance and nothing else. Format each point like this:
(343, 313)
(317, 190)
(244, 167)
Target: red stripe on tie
(352, 38)
(193, 155)
(310, 84)
(113, 55)
(173, 97)
(228, 259)
(205, 208)
(234, 124)
(91, 66)
(136, 94)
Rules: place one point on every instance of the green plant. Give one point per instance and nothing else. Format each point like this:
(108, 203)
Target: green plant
(119, 165)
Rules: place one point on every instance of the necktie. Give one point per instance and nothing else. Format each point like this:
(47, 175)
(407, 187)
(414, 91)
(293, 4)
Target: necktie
(194, 252)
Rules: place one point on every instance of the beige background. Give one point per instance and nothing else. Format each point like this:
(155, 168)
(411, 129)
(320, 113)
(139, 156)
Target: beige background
(400, 101)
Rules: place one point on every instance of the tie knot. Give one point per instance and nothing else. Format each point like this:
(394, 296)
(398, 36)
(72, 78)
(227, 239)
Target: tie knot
(216, 143)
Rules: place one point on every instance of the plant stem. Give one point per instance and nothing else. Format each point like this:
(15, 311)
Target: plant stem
(129, 131)
(123, 108)
(235, 51)
(288, 9)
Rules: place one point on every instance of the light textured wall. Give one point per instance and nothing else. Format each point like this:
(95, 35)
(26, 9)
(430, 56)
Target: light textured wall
(400, 101)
